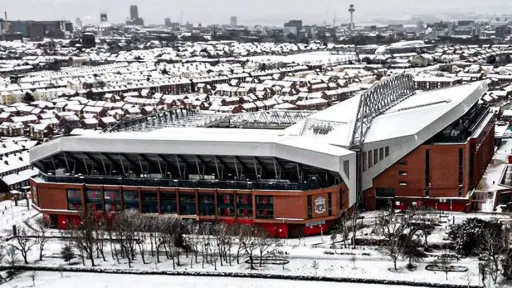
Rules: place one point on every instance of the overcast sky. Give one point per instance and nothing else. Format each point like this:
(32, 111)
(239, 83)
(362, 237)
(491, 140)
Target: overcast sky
(270, 12)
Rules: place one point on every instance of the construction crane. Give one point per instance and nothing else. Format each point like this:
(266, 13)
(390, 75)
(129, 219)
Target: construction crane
(7, 25)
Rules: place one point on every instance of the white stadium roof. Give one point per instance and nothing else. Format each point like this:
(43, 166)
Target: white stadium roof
(407, 118)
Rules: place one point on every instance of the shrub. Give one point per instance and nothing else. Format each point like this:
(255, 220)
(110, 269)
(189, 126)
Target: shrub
(467, 236)
(67, 253)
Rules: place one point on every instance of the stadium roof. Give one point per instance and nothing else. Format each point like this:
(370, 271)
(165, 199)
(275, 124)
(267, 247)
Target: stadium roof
(421, 111)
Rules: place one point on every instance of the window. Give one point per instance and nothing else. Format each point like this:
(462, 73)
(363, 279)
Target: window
(74, 199)
(131, 200)
(329, 203)
(264, 207)
(206, 204)
(35, 196)
(427, 173)
(94, 200)
(402, 183)
(381, 153)
(461, 160)
(364, 161)
(386, 151)
(346, 168)
(149, 202)
(112, 200)
(341, 199)
(168, 203)
(385, 192)
(402, 173)
(187, 204)
(370, 159)
(244, 206)
(375, 157)
(310, 207)
(225, 205)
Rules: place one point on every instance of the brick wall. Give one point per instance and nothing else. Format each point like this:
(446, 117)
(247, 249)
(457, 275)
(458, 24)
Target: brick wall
(290, 204)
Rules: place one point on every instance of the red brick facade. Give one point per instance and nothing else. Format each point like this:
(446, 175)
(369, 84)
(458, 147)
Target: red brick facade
(290, 208)
(409, 178)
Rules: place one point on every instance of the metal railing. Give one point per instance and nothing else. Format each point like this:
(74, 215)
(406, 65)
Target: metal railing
(208, 184)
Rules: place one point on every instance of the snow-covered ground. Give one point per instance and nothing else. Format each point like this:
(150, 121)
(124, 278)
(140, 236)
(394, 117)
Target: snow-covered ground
(303, 260)
(88, 280)
(14, 215)
(309, 256)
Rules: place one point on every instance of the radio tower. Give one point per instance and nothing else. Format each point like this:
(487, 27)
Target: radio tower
(351, 10)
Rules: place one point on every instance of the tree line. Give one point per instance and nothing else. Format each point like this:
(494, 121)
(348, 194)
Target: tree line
(129, 236)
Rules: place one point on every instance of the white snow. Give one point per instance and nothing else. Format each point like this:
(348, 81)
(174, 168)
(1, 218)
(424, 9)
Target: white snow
(88, 280)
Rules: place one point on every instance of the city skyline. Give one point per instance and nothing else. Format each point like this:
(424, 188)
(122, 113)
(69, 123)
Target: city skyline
(250, 13)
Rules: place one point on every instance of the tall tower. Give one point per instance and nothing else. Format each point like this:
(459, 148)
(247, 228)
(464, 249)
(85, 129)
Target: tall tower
(134, 12)
(351, 10)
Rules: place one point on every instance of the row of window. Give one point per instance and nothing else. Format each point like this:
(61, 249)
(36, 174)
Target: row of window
(19, 185)
(372, 157)
(15, 171)
(168, 203)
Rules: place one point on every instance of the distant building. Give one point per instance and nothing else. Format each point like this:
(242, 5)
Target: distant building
(294, 23)
(465, 23)
(41, 29)
(234, 21)
(290, 30)
(134, 12)
(502, 31)
(88, 40)
(78, 22)
(167, 22)
(310, 31)
(103, 17)
(136, 22)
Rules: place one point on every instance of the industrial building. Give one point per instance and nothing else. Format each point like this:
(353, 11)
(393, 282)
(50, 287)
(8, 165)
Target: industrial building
(389, 146)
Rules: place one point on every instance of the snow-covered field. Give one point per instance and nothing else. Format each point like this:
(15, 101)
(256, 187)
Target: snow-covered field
(88, 280)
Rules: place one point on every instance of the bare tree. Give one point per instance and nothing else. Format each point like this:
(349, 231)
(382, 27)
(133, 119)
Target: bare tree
(343, 228)
(126, 234)
(23, 243)
(42, 229)
(224, 240)
(391, 228)
(241, 232)
(172, 239)
(193, 241)
(100, 236)
(12, 255)
(250, 243)
(444, 265)
(315, 266)
(353, 259)
(33, 278)
(469, 278)
(82, 234)
(265, 243)
(425, 220)
(354, 215)
(493, 246)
